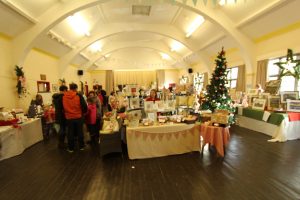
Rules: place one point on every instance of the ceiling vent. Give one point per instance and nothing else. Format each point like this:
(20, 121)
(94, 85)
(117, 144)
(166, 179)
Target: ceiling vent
(141, 10)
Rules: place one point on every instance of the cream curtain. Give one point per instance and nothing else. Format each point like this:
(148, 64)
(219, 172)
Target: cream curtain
(241, 82)
(142, 78)
(261, 72)
(109, 81)
(160, 75)
(205, 81)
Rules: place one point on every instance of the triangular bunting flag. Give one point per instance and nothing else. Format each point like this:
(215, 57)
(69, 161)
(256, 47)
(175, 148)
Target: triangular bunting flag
(205, 2)
(152, 136)
(145, 135)
(195, 2)
(160, 136)
(176, 135)
(169, 136)
(137, 134)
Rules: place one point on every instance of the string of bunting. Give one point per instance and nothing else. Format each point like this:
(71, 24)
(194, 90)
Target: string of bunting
(160, 136)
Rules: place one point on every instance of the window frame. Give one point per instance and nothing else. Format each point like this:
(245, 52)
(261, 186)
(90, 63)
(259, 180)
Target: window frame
(230, 79)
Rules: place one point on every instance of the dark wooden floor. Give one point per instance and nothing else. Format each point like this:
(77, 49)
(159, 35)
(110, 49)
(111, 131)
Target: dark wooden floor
(252, 169)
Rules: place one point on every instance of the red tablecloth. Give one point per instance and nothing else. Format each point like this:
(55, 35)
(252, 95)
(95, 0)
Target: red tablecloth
(216, 136)
(294, 116)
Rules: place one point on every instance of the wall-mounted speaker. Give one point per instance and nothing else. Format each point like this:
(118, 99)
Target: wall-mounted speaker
(79, 72)
(190, 70)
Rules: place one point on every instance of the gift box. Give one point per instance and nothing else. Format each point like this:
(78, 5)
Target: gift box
(219, 118)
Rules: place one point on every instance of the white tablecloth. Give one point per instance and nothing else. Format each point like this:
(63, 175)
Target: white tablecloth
(286, 131)
(157, 141)
(14, 141)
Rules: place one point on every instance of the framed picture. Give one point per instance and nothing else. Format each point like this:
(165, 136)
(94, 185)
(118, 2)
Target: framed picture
(149, 106)
(253, 92)
(251, 98)
(273, 86)
(293, 105)
(292, 95)
(259, 104)
(171, 104)
(55, 88)
(160, 105)
(274, 103)
(134, 103)
(43, 77)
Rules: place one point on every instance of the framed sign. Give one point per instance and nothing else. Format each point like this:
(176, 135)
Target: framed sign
(55, 88)
(259, 104)
(273, 86)
(293, 105)
(134, 103)
(274, 102)
(292, 95)
(253, 92)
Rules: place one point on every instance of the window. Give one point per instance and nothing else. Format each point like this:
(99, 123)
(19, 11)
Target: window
(288, 83)
(198, 82)
(232, 74)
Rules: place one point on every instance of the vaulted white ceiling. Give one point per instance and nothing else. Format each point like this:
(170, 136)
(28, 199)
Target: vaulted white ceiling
(135, 41)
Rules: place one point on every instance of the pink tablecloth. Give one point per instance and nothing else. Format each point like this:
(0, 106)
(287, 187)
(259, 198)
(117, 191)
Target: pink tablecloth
(216, 136)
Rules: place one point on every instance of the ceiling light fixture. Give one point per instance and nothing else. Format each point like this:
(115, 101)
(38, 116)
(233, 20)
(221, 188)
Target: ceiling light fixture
(96, 47)
(176, 46)
(195, 24)
(79, 24)
(165, 56)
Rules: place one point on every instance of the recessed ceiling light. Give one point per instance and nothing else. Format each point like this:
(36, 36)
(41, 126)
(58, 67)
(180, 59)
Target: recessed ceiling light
(194, 25)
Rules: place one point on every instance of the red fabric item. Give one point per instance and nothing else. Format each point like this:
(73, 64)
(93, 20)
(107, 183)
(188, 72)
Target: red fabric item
(294, 116)
(9, 122)
(91, 115)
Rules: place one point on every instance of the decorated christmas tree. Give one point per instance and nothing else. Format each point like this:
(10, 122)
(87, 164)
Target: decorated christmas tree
(217, 96)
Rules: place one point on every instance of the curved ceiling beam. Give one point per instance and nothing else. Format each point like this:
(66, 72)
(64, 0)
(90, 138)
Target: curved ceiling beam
(24, 42)
(90, 67)
(121, 45)
(246, 46)
(168, 31)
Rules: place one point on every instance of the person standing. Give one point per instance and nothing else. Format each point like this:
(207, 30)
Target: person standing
(90, 119)
(60, 118)
(153, 96)
(74, 107)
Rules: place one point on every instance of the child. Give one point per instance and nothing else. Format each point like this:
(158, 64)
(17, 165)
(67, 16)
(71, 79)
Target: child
(90, 119)
(49, 119)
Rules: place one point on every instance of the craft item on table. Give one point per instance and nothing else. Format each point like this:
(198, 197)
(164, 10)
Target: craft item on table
(148, 122)
(266, 116)
(190, 119)
(205, 117)
(220, 117)
(176, 118)
(6, 116)
(162, 119)
(110, 126)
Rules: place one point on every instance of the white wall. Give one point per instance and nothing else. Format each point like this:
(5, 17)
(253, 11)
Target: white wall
(171, 76)
(98, 77)
(8, 79)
